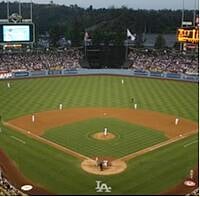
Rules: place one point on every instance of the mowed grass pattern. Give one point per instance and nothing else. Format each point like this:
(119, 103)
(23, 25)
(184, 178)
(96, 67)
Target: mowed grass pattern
(28, 96)
(60, 173)
(151, 173)
(129, 138)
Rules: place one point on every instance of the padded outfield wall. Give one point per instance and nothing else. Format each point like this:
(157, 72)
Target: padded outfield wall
(126, 72)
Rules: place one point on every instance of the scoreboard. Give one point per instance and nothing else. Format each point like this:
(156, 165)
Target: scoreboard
(17, 33)
(188, 35)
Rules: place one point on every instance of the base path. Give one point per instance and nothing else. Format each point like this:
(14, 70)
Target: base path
(154, 147)
(50, 143)
(155, 120)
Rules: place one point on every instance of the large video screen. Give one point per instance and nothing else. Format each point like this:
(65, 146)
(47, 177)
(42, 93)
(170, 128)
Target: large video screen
(13, 33)
(16, 33)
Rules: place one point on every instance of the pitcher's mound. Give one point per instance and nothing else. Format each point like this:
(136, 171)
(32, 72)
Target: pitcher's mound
(116, 167)
(101, 136)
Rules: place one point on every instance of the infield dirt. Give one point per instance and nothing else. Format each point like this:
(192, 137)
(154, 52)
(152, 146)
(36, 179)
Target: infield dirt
(51, 119)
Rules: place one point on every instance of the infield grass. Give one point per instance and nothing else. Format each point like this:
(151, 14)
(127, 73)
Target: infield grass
(129, 138)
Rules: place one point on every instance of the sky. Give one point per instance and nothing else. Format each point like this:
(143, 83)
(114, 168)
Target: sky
(136, 4)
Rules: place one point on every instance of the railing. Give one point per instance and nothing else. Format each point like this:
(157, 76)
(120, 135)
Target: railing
(125, 72)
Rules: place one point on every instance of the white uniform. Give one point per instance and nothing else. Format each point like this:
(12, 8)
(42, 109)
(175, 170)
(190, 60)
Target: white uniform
(60, 106)
(105, 163)
(105, 131)
(8, 84)
(122, 81)
(33, 118)
(176, 121)
(96, 159)
(135, 106)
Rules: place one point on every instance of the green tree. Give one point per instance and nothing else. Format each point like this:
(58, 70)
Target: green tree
(160, 42)
(139, 40)
(56, 32)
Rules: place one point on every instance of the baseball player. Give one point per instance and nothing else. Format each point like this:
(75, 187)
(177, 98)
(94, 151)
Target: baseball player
(105, 131)
(8, 84)
(33, 118)
(101, 166)
(60, 106)
(97, 161)
(176, 121)
(135, 106)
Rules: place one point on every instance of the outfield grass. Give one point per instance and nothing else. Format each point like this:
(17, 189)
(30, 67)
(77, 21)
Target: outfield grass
(129, 138)
(60, 173)
(177, 98)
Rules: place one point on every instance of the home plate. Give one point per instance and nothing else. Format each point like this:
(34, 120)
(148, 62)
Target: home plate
(26, 187)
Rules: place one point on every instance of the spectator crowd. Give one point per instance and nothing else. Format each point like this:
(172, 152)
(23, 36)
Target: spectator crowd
(194, 192)
(163, 62)
(6, 188)
(70, 60)
(31, 61)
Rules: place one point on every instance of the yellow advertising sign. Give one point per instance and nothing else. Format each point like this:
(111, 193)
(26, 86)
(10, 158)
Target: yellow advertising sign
(190, 35)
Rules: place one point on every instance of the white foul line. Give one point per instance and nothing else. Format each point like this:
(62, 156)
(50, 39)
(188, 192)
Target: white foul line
(190, 143)
(19, 140)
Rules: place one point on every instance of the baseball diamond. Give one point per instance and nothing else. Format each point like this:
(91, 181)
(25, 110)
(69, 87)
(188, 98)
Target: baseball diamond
(145, 150)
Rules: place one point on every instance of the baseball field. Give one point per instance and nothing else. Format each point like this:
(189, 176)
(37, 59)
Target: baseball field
(56, 152)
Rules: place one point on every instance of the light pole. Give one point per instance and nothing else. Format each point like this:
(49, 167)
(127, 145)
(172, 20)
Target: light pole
(182, 19)
(20, 8)
(194, 13)
(31, 11)
(8, 10)
(183, 12)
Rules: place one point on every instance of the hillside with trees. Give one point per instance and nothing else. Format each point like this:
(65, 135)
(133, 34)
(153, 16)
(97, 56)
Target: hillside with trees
(102, 24)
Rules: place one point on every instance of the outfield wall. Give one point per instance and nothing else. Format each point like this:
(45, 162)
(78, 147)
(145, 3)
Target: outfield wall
(125, 72)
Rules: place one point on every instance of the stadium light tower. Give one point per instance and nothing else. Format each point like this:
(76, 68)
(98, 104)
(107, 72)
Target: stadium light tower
(183, 13)
(8, 10)
(182, 19)
(31, 11)
(20, 8)
(194, 14)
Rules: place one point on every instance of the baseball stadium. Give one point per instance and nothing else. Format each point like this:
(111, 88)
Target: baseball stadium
(69, 127)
